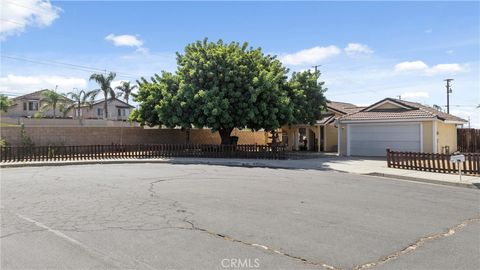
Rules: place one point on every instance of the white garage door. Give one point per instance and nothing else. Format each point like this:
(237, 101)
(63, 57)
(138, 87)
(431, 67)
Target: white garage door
(373, 140)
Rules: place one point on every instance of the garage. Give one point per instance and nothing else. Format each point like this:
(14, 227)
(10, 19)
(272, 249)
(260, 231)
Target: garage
(373, 139)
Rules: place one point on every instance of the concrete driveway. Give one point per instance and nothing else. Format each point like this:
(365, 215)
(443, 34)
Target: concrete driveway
(162, 216)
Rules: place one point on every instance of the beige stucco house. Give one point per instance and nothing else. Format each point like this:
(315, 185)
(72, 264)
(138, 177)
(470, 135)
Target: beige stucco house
(398, 125)
(320, 137)
(117, 110)
(30, 104)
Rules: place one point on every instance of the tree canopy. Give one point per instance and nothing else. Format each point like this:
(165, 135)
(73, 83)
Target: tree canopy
(5, 102)
(226, 86)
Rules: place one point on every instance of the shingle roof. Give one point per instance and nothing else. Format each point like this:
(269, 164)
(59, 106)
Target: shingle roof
(414, 110)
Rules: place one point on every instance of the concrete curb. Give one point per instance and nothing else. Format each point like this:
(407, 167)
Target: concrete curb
(423, 180)
(139, 161)
(252, 164)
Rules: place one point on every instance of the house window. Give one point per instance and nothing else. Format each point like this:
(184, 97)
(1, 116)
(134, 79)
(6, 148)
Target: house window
(33, 105)
(100, 112)
(121, 112)
(78, 112)
(25, 106)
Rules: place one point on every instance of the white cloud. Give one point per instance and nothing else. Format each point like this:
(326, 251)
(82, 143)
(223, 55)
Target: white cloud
(414, 95)
(420, 66)
(428, 31)
(16, 16)
(357, 49)
(15, 84)
(310, 56)
(450, 51)
(411, 66)
(124, 40)
(471, 114)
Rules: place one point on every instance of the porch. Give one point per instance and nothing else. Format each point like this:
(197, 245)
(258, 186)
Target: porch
(316, 138)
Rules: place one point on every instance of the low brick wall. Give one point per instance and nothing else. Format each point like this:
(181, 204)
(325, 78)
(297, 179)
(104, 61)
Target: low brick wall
(42, 136)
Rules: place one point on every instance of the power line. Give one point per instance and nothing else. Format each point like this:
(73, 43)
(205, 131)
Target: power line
(67, 65)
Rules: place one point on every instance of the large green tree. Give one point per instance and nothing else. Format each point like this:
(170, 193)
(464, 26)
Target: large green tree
(307, 97)
(225, 86)
(105, 83)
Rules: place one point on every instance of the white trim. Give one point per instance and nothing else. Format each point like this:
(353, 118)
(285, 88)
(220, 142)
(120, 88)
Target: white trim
(339, 139)
(388, 101)
(348, 139)
(386, 120)
(454, 122)
(325, 139)
(382, 124)
(421, 137)
(434, 137)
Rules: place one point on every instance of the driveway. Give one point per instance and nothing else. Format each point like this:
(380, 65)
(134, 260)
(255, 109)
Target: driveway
(163, 216)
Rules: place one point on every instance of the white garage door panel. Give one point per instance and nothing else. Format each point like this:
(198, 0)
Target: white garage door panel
(373, 140)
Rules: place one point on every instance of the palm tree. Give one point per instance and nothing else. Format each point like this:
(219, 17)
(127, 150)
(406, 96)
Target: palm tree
(126, 90)
(51, 99)
(81, 98)
(105, 81)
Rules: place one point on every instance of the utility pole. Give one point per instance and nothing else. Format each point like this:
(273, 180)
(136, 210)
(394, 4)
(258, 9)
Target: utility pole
(399, 97)
(316, 67)
(449, 90)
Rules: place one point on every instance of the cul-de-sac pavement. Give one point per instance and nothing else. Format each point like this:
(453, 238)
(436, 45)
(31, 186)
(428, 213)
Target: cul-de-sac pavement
(167, 216)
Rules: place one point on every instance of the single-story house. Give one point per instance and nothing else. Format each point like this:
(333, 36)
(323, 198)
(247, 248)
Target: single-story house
(117, 110)
(30, 104)
(398, 125)
(320, 137)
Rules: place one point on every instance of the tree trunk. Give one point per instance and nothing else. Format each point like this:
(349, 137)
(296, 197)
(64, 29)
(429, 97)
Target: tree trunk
(225, 135)
(54, 109)
(105, 113)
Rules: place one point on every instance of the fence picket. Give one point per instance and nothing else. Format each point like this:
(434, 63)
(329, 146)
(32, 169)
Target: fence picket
(433, 162)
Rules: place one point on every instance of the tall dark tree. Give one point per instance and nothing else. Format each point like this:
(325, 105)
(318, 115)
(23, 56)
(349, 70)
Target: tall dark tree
(105, 82)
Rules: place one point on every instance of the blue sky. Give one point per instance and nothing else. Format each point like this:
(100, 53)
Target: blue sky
(368, 50)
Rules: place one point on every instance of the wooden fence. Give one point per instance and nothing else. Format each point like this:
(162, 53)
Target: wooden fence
(468, 140)
(433, 162)
(96, 152)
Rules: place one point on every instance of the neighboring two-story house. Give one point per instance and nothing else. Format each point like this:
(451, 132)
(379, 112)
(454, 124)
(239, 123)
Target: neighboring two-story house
(117, 110)
(30, 104)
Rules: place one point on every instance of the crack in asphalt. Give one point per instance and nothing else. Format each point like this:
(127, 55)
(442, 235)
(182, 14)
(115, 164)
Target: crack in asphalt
(193, 227)
(420, 242)
(255, 245)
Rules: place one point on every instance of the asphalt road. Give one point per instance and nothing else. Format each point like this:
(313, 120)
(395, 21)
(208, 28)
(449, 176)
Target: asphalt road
(161, 216)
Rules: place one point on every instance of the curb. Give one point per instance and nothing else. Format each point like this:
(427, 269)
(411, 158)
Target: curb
(142, 161)
(423, 180)
(252, 164)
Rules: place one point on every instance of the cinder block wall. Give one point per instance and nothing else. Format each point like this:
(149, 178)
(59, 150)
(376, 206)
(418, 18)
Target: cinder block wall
(116, 135)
